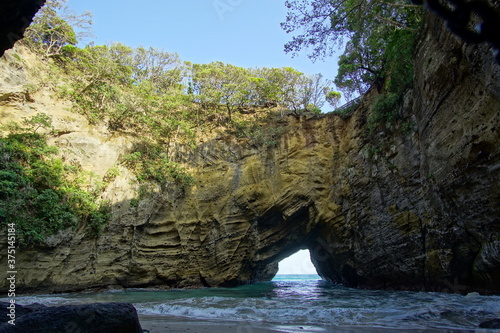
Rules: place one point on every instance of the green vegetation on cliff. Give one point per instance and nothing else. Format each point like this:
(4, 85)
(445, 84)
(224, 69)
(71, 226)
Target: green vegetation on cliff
(379, 37)
(39, 192)
(370, 30)
(126, 87)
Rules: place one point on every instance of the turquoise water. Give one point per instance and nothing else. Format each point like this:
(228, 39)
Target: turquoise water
(303, 300)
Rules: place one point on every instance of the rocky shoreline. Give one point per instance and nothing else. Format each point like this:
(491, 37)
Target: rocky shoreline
(123, 318)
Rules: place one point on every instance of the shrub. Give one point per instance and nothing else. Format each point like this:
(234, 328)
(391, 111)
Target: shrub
(384, 109)
(36, 193)
(258, 134)
(150, 162)
(398, 75)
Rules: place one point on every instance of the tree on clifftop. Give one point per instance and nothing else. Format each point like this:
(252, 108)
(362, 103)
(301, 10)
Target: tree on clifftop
(367, 26)
(55, 27)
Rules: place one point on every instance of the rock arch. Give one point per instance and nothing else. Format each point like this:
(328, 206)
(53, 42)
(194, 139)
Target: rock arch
(410, 211)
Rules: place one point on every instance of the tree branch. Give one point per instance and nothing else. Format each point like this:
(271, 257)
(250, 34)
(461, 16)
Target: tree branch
(394, 23)
(400, 5)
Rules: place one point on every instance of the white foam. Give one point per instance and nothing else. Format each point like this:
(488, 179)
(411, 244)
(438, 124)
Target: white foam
(47, 300)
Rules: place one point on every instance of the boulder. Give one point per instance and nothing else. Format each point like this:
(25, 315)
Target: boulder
(88, 318)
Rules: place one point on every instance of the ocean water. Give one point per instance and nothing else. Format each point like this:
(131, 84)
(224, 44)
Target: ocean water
(306, 302)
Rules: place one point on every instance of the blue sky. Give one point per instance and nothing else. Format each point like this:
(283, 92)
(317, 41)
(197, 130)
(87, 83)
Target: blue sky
(244, 33)
(297, 263)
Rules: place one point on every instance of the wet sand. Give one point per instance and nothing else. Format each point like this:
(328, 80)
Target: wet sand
(157, 324)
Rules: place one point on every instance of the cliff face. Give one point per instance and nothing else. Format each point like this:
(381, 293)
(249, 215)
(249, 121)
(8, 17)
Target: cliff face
(414, 209)
(425, 212)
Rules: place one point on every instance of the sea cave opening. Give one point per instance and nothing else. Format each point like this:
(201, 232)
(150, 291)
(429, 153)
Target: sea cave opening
(299, 263)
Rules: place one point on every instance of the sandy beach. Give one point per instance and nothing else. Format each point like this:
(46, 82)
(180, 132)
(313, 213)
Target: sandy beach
(160, 324)
(157, 324)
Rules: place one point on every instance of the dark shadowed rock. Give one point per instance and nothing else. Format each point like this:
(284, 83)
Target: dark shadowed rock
(494, 323)
(89, 318)
(15, 17)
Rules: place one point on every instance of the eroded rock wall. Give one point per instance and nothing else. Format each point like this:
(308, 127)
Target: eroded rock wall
(423, 212)
(405, 209)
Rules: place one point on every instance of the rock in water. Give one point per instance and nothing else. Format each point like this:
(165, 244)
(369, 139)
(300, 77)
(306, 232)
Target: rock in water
(89, 318)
